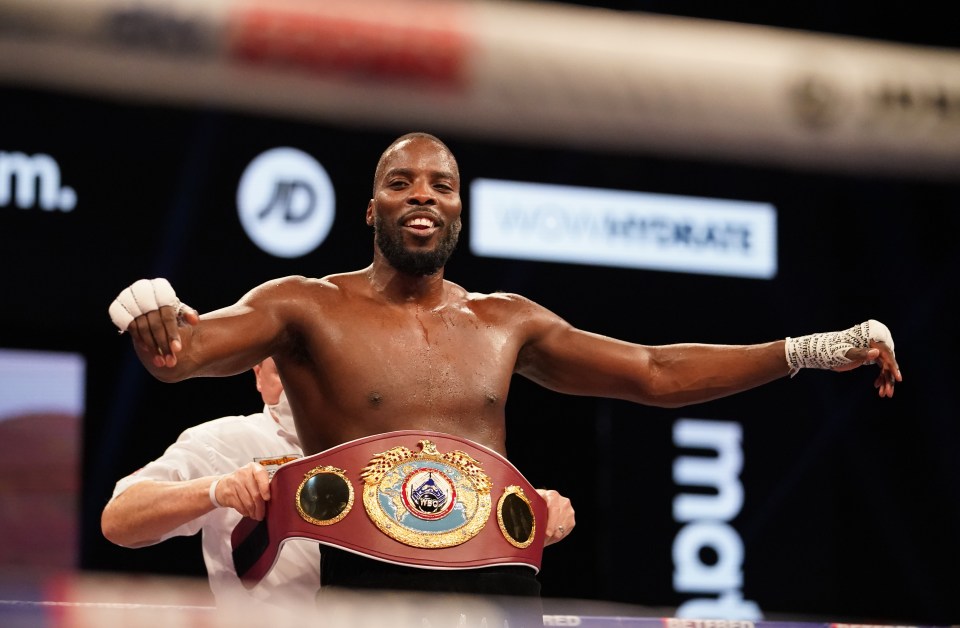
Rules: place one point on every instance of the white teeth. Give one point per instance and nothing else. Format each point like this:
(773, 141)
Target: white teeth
(420, 222)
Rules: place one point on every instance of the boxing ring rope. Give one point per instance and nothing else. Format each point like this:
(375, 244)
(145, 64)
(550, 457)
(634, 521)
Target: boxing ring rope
(26, 614)
(542, 73)
(99, 600)
(102, 615)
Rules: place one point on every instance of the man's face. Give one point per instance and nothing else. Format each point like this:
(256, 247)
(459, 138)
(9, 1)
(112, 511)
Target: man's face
(416, 207)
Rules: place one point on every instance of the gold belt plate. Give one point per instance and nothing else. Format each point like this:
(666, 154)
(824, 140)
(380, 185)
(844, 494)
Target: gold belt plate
(426, 499)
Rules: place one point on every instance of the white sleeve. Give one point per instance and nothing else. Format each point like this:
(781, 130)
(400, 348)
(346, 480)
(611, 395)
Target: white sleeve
(188, 458)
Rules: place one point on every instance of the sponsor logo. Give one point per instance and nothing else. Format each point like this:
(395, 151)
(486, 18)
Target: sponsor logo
(286, 203)
(905, 104)
(559, 223)
(671, 622)
(29, 181)
(707, 552)
(162, 29)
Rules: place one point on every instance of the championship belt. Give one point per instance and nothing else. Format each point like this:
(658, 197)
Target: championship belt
(429, 500)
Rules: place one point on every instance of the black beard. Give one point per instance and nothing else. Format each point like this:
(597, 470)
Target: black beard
(417, 263)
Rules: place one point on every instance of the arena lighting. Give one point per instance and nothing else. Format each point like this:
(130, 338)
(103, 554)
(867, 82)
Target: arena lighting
(562, 223)
(549, 73)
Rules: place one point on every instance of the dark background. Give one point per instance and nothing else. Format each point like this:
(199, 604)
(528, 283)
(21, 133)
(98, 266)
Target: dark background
(851, 501)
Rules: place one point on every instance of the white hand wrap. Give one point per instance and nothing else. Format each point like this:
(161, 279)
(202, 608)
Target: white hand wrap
(828, 350)
(145, 295)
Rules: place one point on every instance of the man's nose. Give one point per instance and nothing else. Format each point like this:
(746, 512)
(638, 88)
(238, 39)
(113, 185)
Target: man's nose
(421, 194)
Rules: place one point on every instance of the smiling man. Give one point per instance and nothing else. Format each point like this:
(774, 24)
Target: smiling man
(396, 348)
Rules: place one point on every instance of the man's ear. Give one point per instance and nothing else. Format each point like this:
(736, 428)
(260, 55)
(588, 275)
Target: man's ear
(256, 374)
(370, 213)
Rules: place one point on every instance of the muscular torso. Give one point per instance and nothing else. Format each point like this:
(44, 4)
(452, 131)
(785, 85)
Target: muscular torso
(354, 364)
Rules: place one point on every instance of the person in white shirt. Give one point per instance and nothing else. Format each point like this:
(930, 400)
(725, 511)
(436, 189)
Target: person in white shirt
(171, 496)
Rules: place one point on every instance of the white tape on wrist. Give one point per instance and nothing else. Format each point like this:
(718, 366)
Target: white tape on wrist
(828, 350)
(213, 494)
(141, 297)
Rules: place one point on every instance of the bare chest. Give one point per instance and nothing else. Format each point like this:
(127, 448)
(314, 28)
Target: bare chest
(425, 363)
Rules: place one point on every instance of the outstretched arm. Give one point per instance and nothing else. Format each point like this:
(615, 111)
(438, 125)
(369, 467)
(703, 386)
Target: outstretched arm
(573, 361)
(174, 342)
(149, 510)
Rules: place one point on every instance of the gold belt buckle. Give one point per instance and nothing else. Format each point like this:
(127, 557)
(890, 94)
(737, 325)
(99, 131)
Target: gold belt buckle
(426, 499)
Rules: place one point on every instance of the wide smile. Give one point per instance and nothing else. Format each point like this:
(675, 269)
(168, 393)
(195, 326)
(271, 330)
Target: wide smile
(421, 225)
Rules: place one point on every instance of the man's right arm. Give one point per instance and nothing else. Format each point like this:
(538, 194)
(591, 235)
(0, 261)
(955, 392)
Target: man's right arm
(174, 342)
(150, 510)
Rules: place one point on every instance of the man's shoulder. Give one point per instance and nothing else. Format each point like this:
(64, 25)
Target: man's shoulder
(513, 311)
(501, 308)
(295, 283)
(349, 279)
(295, 293)
(300, 284)
(498, 300)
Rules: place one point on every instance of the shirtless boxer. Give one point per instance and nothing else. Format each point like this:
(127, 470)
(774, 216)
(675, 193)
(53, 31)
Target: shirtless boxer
(396, 346)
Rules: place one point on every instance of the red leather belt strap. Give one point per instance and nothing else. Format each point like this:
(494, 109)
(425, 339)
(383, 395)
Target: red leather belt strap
(382, 524)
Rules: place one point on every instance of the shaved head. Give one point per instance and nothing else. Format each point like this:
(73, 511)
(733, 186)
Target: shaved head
(403, 139)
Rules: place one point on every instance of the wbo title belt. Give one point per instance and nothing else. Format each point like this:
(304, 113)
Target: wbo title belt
(429, 500)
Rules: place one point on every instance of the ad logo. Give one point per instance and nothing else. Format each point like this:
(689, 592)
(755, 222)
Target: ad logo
(33, 181)
(561, 223)
(285, 200)
(706, 517)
